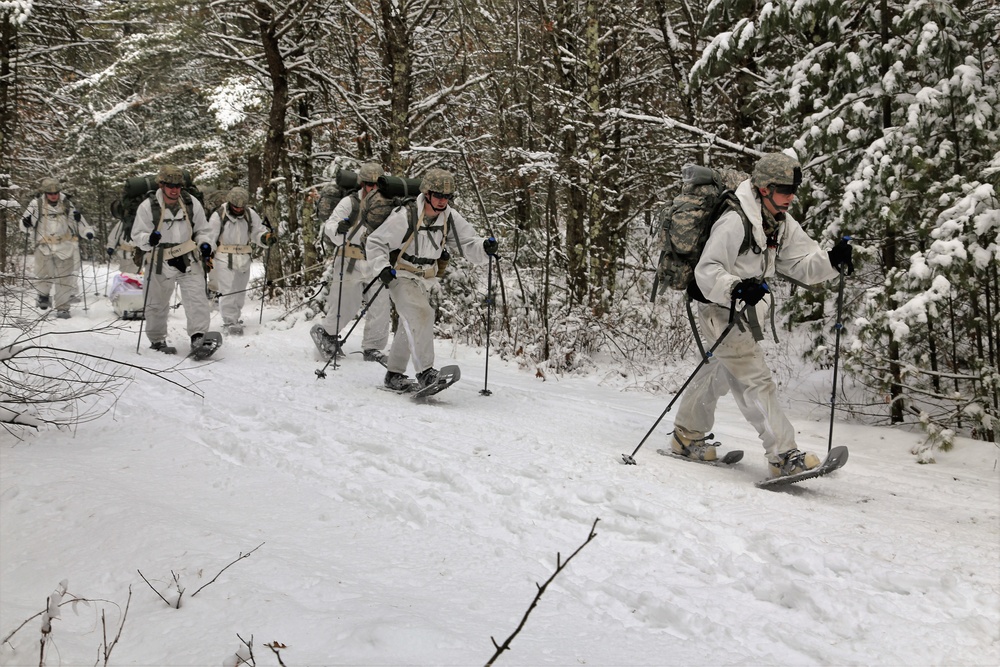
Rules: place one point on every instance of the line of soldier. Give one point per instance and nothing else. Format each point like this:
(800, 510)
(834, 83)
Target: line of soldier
(181, 246)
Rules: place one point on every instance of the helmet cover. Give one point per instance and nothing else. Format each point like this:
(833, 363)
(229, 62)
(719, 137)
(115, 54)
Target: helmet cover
(776, 169)
(438, 180)
(238, 197)
(370, 171)
(170, 174)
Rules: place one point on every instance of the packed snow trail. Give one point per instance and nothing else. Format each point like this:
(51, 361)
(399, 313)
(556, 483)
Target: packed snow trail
(409, 533)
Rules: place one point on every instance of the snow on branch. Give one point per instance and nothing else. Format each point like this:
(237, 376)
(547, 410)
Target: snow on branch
(711, 137)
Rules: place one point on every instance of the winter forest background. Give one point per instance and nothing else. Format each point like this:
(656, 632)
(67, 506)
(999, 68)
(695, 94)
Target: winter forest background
(566, 123)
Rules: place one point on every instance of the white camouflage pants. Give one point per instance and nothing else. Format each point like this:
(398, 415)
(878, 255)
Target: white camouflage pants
(348, 301)
(415, 335)
(160, 289)
(52, 272)
(231, 285)
(737, 365)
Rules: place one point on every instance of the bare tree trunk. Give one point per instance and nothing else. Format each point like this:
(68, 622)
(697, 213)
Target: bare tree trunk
(398, 62)
(889, 249)
(274, 142)
(8, 117)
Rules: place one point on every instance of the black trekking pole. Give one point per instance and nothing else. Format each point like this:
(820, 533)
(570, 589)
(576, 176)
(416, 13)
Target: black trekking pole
(489, 320)
(24, 275)
(321, 373)
(733, 315)
(107, 274)
(340, 294)
(93, 266)
(839, 326)
(145, 295)
(83, 278)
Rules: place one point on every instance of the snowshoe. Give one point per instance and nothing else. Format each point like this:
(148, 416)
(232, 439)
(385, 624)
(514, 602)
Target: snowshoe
(326, 344)
(728, 459)
(432, 381)
(375, 355)
(398, 383)
(834, 461)
(204, 345)
(695, 449)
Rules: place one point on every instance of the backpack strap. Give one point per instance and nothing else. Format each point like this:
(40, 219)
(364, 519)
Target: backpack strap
(694, 292)
(414, 220)
(355, 216)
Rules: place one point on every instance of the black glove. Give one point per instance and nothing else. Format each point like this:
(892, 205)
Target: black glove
(90, 236)
(490, 245)
(206, 250)
(344, 226)
(26, 221)
(387, 275)
(270, 239)
(154, 238)
(841, 256)
(749, 291)
(77, 216)
(111, 252)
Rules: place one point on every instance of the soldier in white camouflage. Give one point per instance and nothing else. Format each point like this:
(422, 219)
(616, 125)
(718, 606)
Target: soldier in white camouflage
(346, 296)
(406, 259)
(730, 279)
(55, 226)
(237, 228)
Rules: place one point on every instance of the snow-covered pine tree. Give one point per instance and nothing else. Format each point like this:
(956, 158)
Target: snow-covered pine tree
(895, 110)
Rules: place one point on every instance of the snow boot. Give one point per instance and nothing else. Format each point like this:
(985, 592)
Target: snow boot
(683, 443)
(62, 314)
(793, 462)
(43, 301)
(427, 377)
(397, 382)
(161, 346)
(234, 329)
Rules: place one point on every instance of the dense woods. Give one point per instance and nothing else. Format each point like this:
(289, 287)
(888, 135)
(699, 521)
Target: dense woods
(566, 123)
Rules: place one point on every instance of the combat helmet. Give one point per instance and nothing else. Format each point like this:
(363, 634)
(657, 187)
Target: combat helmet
(438, 180)
(238, 197)
(170, 174)
(777, 169)
(369, 172)
(50, 186)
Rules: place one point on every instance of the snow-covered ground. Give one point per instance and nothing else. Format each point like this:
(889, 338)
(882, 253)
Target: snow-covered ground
(387, 532)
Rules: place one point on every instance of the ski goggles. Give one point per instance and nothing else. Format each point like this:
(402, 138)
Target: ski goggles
(784, 189)
(440, 195)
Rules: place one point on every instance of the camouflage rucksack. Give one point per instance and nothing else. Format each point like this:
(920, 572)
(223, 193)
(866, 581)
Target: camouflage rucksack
(392, 193)
(345, 183)
(686, 223)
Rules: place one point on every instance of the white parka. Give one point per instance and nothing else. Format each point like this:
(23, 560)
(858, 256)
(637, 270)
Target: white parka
(240, 231)
(187, 223)
(342, 211)
(722, 266)
(427, 241)
(54, 229)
